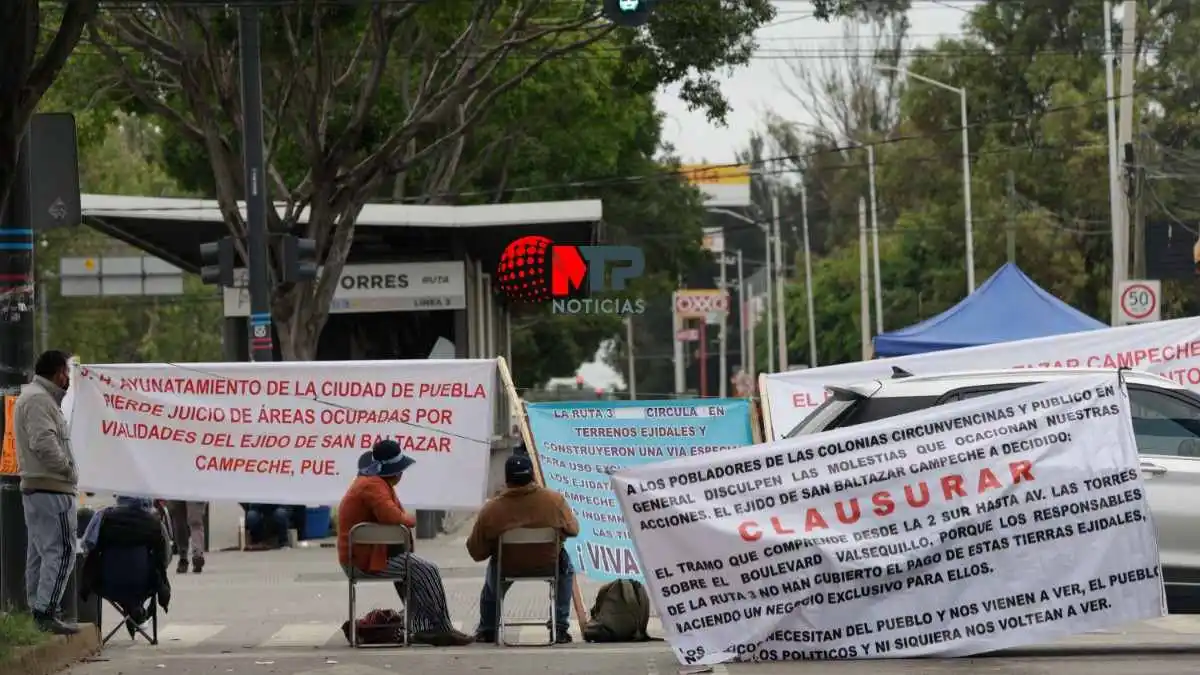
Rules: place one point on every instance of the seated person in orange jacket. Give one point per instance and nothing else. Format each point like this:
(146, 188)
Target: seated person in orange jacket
(371, 498)
(523, 503)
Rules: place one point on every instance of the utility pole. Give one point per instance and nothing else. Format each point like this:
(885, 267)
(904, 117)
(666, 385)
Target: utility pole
(864, 281)
(254, 167)
(741, 281)
(676, 345)
(1120, 263)
(723, 359)
(1137, 178)
(632, 384)
(771, 282)
(1010, 225)
(17, 326)
(808, 278)
(751, 341)
(875, 242)
(780, 311)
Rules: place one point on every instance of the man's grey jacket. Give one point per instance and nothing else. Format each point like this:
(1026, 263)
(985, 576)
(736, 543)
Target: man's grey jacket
(42, 439)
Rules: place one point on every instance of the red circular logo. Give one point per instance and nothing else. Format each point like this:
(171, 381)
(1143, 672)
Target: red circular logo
(524, 269)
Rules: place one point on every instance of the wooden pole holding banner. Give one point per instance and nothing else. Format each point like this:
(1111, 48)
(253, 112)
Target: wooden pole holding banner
(518, 409)
(756, 428)
(765, 403)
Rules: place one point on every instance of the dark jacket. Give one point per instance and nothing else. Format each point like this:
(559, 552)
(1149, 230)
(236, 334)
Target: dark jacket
(129, 561)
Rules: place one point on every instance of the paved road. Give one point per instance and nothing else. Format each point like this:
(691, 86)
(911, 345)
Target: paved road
(280, 612)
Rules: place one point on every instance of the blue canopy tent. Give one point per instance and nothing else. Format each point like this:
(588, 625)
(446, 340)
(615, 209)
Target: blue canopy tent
(1009, 306)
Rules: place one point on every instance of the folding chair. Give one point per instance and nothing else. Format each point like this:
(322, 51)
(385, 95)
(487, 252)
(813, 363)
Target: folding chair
(151, 637)
(398, 539)
(543, 538)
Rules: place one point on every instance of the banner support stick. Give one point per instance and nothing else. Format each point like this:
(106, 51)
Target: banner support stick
(517, 406)
(756, 427)
(765, 403)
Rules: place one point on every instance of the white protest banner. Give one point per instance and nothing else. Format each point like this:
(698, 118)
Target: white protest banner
(283, 433)
(1000, 521)
(1168, 348)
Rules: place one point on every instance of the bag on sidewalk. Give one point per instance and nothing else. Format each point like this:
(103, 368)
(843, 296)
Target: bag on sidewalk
(378, 627)
(621, 613)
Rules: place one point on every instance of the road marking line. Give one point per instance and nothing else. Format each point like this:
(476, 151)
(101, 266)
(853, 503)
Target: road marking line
(181, 635)
(303, 635)
(1187, 625)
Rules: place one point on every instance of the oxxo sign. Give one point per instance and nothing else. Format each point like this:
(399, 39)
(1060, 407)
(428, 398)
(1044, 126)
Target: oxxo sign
(699, 303)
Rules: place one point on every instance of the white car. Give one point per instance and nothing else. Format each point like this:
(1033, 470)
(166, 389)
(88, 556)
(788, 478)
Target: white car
(1166, 422)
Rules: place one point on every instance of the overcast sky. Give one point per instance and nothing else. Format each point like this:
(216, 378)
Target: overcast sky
(793, 37)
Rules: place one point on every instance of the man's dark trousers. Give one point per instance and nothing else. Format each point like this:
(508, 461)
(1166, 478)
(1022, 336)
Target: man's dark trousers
(489, 621)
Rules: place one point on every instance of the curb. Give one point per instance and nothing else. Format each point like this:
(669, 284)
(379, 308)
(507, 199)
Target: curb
(1110, 649)
(53, 656)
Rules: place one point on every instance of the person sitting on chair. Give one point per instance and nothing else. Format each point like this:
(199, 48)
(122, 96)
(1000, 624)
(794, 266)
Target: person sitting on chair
(265, 520)
(126, 552)
(371, 498)
(522, 504)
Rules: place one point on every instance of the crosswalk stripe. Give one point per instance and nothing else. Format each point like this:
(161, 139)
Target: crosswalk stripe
(1178, 623)
(302, 635)
(320, 634)
(183, 635)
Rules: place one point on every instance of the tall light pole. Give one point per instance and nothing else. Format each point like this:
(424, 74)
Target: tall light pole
(873, 230)
(768, 255)
(808, 280)
(966, 163)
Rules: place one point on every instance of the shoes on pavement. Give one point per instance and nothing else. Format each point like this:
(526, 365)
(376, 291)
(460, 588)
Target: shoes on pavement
(482, 636)
(449, 638)
(563, 637)
(48, 624)
(182, 567)
(197, 565)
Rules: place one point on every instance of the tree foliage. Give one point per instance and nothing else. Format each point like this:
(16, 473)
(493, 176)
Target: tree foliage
(1034, 78)
(123, 160)
(378, 100)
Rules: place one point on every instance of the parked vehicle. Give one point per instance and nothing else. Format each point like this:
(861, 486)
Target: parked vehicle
(1166, 423)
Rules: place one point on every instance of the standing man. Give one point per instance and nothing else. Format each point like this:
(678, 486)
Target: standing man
(187, 521)
(48, 488)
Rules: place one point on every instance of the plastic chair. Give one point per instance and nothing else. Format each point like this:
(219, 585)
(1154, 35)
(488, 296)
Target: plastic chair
(386, 535)
(544, 539)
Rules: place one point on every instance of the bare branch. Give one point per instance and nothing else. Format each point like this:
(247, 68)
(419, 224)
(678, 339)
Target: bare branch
(75, 18)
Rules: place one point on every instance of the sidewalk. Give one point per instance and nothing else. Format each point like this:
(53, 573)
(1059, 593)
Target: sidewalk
(297, 598)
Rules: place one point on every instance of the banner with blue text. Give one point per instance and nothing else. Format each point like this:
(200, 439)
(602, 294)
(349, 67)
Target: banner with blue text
(580, 444)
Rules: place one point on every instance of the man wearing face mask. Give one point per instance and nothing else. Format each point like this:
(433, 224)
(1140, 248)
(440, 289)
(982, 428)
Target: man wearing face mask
(48, 488)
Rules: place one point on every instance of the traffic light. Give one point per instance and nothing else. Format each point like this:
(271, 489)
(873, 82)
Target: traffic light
(217, 259)
(628, 13)
(299, 259)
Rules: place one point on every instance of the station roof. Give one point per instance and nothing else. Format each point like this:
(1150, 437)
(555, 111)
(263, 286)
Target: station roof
(174, 228)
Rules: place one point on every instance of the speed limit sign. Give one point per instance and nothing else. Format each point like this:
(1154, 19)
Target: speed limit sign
(1140, 301)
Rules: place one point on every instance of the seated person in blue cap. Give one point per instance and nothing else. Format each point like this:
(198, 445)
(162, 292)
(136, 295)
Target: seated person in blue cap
(371, 498)
(523, 503)
(126, 551)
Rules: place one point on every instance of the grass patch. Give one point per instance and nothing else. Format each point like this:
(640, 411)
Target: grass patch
(18, 630)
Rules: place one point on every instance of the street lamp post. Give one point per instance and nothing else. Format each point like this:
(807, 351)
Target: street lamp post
(874, 229)
(966, 162)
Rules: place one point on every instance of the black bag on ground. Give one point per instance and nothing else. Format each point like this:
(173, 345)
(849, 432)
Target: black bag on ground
(621, 613)
(378, 627)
